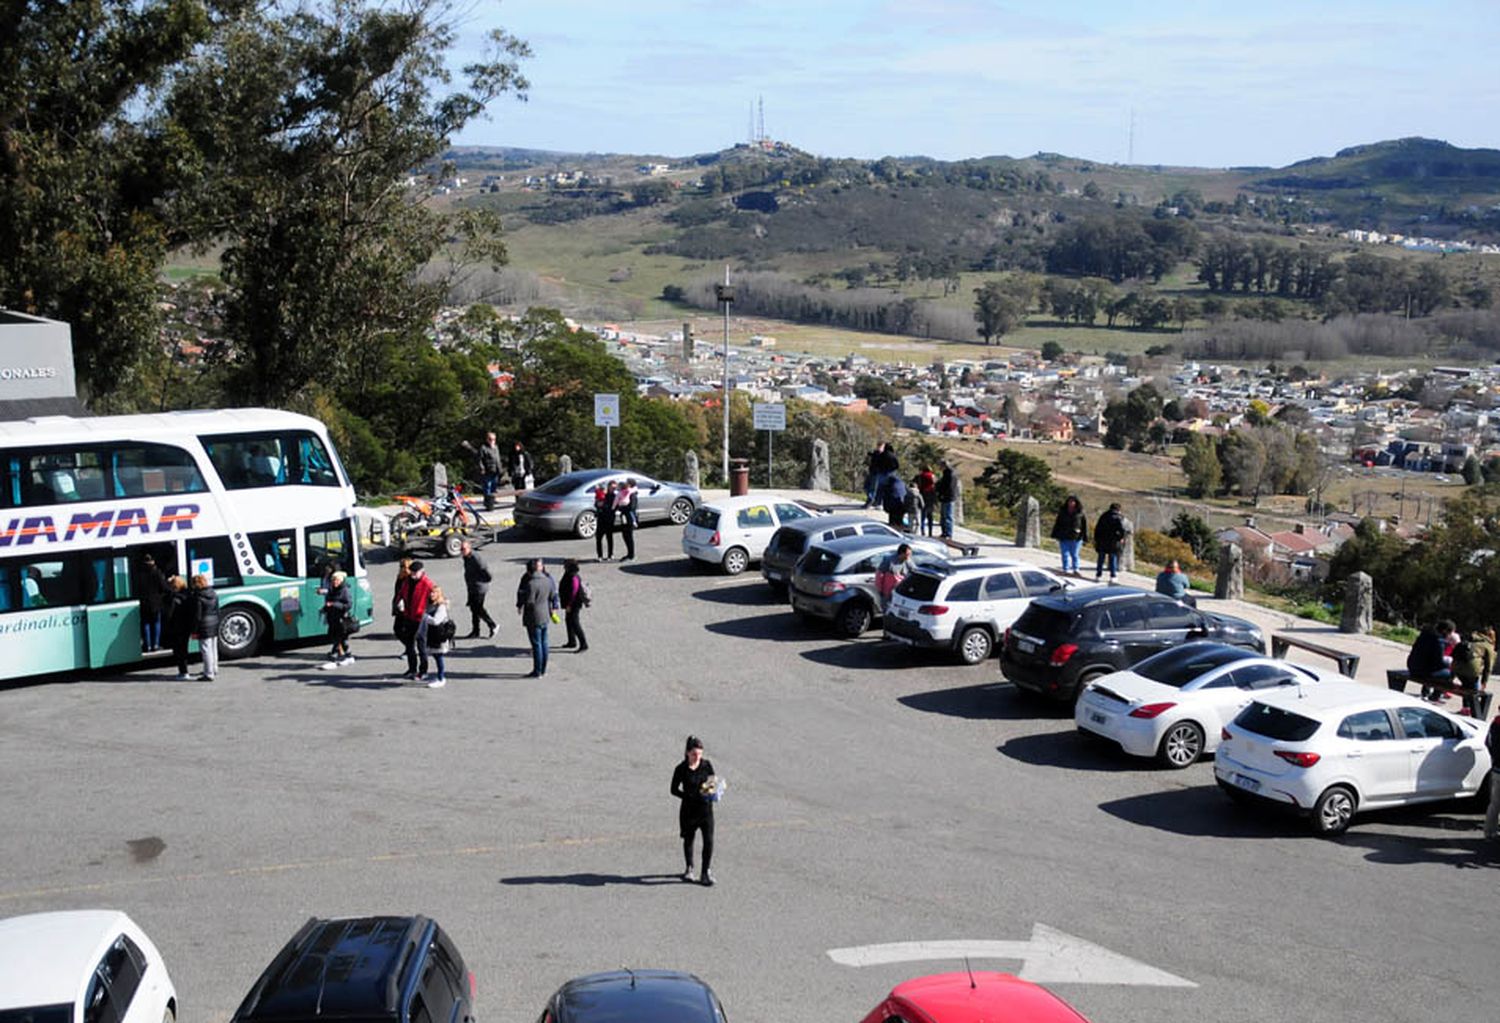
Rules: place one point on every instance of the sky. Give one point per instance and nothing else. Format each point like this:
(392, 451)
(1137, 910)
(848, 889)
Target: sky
(1208, 83)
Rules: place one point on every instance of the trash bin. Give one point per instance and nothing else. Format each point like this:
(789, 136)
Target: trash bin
(739, 477)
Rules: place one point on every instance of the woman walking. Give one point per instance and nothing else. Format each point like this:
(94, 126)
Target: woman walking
(439, 645)
(178, 613)
(692, 783)
(206, 625)
(574, 593)
(338, 607)
(1071, 531)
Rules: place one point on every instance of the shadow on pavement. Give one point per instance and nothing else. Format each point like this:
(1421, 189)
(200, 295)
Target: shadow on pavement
(1070, 751)
(751, 594)
(595, 880)
(988, 701)
(869, 654)
(1462, 846)
(781, 626)
(669, 568)
(1204, 812)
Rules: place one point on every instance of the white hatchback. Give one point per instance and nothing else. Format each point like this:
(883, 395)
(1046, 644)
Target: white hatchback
(1174, 705)
(732, 533)
(80, 967)
(1333, 750)
(966, 606)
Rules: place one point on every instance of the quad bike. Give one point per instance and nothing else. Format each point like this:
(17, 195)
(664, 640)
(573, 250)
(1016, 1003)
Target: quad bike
(448, 518)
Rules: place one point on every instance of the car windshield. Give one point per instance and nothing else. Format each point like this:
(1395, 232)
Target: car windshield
(706, 518)
(918, 586)
(1042, 622)
(561, 485)
(1180, 665)
(1275, 723)
(38, 1014)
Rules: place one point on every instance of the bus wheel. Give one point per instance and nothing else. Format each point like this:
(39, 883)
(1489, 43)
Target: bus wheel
(240, 631)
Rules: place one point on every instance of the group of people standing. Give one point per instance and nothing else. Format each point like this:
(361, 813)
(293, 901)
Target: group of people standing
(424, 622)
(174, 612)
(493, 468)
(616, 509)
(911, 506)
(1071, 531)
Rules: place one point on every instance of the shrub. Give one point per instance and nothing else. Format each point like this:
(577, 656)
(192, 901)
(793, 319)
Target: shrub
(1153, 548)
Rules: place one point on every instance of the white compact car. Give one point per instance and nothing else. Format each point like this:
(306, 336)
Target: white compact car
(86, 966)
(734, 532)
(1174, 705)
(966, 606)
(1333, 750)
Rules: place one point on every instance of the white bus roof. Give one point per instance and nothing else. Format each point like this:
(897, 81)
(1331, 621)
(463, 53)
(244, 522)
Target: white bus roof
(178, 425)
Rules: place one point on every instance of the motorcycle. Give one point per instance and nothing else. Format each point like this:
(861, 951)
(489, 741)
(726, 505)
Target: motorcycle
(450, 517)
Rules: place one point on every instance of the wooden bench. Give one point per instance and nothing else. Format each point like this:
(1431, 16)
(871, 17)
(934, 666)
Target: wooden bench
(1396, 680)
(968, 550)
(1280, 642)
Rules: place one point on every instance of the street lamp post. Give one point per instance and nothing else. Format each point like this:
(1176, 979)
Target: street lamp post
(724, 294)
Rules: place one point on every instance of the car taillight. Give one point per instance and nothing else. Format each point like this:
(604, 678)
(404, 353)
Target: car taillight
(473, 987)
(933, 609)
(1151, 710)
(549, 505)
(1005, 640)
(713, 541)
(830, 588)
(1298, 759)
(1061, 655)
(1225, 734)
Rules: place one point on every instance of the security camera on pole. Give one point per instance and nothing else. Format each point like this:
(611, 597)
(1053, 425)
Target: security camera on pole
(724, 293)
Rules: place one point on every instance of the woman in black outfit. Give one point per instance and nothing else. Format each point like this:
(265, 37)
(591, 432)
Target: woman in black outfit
(696, 812)
(604, 522)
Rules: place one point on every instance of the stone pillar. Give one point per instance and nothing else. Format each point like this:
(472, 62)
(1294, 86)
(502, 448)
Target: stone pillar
(564, 464)
(439, 479)
(1230, 584)
(1028, 524)
(1127, 548)
(958, 500)
(817, 467)
(1359, 604)
(690, 468)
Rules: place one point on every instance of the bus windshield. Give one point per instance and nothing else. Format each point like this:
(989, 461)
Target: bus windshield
(285, 457)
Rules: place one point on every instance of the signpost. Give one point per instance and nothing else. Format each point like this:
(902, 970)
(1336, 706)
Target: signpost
(769, 417)
(607, 414)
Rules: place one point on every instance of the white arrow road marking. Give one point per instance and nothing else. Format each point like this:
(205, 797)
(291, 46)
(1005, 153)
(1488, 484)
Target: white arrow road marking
(1050, 957)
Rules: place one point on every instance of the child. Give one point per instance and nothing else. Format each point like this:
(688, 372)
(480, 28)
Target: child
(437, 615)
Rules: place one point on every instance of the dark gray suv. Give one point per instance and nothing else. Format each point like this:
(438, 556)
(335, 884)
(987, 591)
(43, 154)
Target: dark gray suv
(835, 580)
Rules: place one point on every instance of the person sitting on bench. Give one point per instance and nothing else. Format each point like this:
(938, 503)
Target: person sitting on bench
(1428, 661)
(1473, 660)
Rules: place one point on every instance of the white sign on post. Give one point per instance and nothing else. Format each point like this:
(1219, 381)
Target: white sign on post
(769, 417)
(607, 414)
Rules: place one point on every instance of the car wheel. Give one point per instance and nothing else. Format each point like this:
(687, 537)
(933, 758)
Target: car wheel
(681, 511)
(1090, 675)
(855, 618)
(586, 525)
(1333, 811)
(240, 631)
(975, 645)
(453, 544)
(1181, 746)
(735, 561)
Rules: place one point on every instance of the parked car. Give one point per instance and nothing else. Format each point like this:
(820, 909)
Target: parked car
(1062, 642)
(978, 997)
(1337, 749)
(734, 532)
(790, 542)
(374, 969)
(565, 504)
(667, 996)
(836, 579)
(82, 966)
(966, 606)
(1173, 705)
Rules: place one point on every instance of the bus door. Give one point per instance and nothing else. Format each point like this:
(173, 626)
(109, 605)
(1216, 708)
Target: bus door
(113, 583)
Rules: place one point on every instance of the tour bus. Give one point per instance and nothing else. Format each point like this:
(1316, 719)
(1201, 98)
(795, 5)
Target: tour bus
(255, 499)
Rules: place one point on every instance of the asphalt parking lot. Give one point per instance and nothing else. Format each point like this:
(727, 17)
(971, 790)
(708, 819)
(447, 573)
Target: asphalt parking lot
(876, 797)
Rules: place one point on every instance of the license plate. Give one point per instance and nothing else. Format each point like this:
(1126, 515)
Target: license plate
(1098, 719)
(1025, 646)
(773, 574)
(1248, 784)
(900, 612)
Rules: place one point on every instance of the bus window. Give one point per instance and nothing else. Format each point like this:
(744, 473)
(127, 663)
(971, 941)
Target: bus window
(276, 551)
(7, 588)
(329, 546)
(247, 460)
(57, 477)
(147, 470)
(216, 549)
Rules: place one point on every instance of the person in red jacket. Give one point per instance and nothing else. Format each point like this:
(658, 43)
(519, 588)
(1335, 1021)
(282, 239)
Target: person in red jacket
(411, 614)
(927, 487)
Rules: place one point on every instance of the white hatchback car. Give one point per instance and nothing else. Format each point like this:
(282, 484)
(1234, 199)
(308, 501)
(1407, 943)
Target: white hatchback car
(1174, 705)
(86, 966)
(732, 533)
(1333, 750)
(966, 606)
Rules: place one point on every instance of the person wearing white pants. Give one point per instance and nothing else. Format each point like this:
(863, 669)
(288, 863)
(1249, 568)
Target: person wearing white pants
(206, 625)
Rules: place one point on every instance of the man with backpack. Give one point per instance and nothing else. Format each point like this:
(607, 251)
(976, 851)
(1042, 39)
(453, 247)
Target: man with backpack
(476, 587)
(1473, 660)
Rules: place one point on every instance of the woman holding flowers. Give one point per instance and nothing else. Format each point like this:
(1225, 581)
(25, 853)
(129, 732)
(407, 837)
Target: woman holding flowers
(694, 783)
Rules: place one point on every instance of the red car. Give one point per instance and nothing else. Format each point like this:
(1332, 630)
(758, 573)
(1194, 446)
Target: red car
(972, 998)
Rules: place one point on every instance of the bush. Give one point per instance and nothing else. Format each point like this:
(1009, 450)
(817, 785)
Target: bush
(1153, 548)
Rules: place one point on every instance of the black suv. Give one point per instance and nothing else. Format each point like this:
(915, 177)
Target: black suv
(401, 969)
(1063, 641)
(664, 996)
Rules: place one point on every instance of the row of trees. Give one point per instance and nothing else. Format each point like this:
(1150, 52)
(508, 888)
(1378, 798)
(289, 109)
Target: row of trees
(1272, 458)
(1121, 247)
(1467, 333)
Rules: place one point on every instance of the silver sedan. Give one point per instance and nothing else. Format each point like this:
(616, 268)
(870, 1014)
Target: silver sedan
(565, 504)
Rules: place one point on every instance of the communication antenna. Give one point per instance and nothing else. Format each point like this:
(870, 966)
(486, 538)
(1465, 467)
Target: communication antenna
(760, 124)
(750, 126)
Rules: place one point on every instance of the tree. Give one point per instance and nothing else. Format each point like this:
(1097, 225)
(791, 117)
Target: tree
(1200, 464)
(998, 308)
(308, 123)
(1128, 422)
(875, 390)
(1014, 475)
(1051, 351)
(1197, 534)
(1471, 471)
(1243, 459)
(85, 179)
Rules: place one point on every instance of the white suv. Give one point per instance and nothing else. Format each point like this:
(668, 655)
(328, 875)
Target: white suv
(966, 606)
